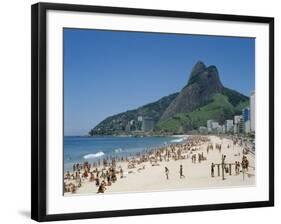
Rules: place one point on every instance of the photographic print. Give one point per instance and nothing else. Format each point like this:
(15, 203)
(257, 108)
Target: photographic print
(148, 111)
(132, 106)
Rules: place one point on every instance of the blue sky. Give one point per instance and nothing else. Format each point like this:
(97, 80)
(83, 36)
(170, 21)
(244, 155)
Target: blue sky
(108, 72)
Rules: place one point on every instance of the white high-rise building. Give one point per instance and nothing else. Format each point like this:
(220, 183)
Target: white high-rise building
(247, 126)
(215, 125)
(209, 125)
(228, 125)
(238, 121)
(252, 111)
(147, 124)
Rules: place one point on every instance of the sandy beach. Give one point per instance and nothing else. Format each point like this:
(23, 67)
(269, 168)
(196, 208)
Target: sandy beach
(151, 176)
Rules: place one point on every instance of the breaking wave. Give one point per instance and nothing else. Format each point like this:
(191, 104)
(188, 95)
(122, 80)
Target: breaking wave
(118, 150)
(95, 155)
(178, 140)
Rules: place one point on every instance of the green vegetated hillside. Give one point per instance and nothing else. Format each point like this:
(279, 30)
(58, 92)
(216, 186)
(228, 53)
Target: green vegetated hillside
(116, 124)
(238, 100)
(219, 108)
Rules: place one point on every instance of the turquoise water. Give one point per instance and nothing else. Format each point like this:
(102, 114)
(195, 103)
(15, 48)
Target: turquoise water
(79, 149)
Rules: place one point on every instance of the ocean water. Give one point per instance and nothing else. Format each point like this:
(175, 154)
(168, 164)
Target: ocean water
(80, 149)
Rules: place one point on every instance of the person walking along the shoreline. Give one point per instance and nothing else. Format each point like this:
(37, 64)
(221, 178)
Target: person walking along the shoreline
(167, 172)
(181, 172)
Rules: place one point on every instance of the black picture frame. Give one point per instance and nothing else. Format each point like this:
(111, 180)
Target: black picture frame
(38, 108)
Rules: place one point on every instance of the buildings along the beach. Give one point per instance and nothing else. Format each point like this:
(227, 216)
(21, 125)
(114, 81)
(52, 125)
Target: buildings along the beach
(244, 123)
(147, 124)
(252, 110)
(246, 119)
(238, 127)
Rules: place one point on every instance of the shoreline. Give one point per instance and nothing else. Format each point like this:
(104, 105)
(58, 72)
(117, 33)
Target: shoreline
(120, 151)
(141, 176)
(144, 134)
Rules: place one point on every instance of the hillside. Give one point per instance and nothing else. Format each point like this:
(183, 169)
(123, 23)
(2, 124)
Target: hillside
(117, 124)
(219, 108)
(202, 98)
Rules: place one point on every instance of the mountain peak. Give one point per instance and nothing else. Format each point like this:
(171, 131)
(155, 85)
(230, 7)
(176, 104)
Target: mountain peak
(197, 68)
(213, 68)
(203, 83)
(201, 74)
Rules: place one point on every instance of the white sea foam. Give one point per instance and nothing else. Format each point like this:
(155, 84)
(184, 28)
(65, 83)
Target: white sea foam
(118, 150)
(178, 140)
(95, 155)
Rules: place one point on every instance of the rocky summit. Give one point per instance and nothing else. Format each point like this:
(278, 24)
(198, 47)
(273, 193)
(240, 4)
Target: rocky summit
(203, 83)
(203, 97)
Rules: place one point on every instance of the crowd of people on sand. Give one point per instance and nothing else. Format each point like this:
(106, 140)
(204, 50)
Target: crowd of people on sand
(239, 167)
(104, 173)
(101, 177)
(107, 171)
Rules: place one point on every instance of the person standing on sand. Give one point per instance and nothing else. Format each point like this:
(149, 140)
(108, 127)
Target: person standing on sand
(213, 170)
(167, 172)
(181, 172)
(238, 168)
(97, 181)
(121, 173)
